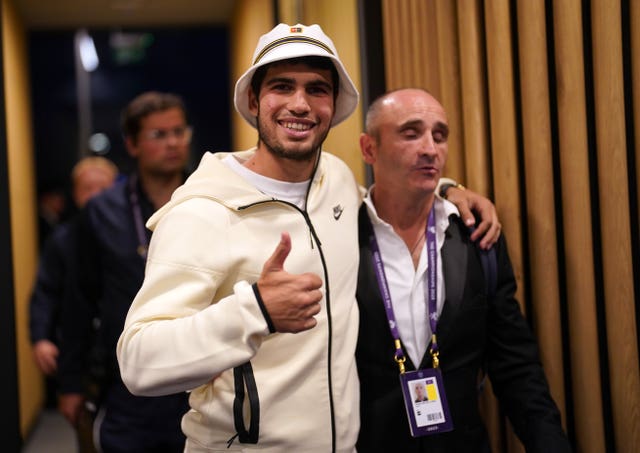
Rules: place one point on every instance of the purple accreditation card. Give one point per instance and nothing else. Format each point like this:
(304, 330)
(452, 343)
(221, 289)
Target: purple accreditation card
(425, 402)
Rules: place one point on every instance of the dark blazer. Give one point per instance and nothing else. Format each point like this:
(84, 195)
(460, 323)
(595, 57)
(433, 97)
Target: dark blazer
(474, 334)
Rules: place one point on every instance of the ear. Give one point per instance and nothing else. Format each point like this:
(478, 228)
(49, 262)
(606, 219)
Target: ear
(368, 148)
(132, 149)
(253, 102)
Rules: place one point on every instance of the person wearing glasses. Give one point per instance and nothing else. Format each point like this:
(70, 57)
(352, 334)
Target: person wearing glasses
(112, 252)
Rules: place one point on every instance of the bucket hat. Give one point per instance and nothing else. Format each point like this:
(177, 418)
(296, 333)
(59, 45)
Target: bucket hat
(284, 42)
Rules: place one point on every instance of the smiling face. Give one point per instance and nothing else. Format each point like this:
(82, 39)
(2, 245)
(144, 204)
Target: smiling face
(406, 143)
(294, 110)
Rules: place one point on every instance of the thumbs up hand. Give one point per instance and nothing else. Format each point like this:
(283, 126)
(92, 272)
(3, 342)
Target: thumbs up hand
(292, 300)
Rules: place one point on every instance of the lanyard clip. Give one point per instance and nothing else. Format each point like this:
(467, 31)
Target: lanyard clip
(434, 352)
(399, 356)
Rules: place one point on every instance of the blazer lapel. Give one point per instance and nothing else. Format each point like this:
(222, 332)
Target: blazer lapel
(454, 267)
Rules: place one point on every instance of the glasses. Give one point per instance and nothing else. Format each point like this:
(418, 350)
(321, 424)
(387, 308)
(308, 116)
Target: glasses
(182, 134)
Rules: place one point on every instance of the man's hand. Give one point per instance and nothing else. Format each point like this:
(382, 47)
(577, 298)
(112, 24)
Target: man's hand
(71, 406)
(489, 226)
(45, 354)
(292, 300)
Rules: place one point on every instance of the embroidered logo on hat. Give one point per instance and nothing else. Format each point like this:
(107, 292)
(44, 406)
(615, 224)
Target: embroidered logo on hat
(296, 30)
(292, 39)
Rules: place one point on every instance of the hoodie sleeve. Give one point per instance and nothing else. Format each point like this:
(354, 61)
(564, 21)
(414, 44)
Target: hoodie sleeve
(194, 316)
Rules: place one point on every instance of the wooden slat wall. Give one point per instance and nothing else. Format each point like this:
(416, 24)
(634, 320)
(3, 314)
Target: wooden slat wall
(538, 167)
(579, 260)
(536, 101)
(614, 220)
(475, 120)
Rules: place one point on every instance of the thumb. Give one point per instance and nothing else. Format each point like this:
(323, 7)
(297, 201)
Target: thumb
(276, 260)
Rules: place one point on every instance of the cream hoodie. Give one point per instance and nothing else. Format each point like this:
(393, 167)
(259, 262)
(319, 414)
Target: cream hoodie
(196, 317)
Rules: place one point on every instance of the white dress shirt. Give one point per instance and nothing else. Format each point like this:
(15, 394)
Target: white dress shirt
(406, 284)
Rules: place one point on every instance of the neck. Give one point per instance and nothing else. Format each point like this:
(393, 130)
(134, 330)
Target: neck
(267, 164)
(159, 188)
(407, 214)
(401, 210)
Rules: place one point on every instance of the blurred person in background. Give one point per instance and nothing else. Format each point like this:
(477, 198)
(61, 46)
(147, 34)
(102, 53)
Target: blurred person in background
(53, 285)
(112, 251)
(52, 209)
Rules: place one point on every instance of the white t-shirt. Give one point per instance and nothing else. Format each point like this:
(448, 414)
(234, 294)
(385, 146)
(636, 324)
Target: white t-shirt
(293, 192)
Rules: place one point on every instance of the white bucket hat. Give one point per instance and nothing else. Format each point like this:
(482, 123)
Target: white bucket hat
(292, 41)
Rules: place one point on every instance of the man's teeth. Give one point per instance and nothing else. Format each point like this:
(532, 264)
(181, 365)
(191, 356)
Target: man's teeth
(297, 126)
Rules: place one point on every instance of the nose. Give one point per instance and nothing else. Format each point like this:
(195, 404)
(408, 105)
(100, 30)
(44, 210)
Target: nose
(172, 138)
(299, 103)
(428, 147)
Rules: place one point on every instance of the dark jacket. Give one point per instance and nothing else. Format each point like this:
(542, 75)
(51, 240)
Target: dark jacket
(474, 333)
(55, 269)
(110, 272)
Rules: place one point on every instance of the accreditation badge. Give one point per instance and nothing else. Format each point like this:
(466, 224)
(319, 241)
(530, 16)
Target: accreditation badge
(425, 402)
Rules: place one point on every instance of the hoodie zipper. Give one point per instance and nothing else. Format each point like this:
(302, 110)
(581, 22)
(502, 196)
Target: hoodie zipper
(314, 237)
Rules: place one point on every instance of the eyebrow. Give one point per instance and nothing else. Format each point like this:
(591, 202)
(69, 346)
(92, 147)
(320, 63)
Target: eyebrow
(420, 123)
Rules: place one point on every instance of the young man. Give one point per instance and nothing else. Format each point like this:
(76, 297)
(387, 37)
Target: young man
(425, 312)
(112, 242)
(218, 307)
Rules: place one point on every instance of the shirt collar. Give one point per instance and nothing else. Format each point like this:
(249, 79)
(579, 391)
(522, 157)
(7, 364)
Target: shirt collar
(443, 208)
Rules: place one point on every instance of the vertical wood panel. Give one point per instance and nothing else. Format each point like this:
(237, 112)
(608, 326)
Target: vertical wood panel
(576, 208)
(472, 76)
(476, 147)
(615, 226)
(536, 129)
(449, 76)
(251, 19)
(22, 183)
(389, 21)
(402, 71)
(415, 39)
(635, 60)
(428, 34)
(504, 143)
(342, 28)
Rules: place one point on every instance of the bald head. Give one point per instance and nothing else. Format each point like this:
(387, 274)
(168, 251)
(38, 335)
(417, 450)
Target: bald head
(394, 102)
(406, 141)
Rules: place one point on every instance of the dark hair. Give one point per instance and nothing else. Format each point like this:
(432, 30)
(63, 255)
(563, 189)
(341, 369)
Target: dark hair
(315, 62)
(144, 105)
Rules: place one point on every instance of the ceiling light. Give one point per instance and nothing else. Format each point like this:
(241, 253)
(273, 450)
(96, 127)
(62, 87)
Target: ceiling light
(87, 49)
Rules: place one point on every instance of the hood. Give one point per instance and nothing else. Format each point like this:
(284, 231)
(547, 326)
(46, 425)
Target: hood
(213, 179)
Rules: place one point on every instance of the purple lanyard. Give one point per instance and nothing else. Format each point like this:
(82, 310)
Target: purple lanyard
(143, 243)
(431, 291)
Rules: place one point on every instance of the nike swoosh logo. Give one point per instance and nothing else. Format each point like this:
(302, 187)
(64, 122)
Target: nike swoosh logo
(337, 211)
